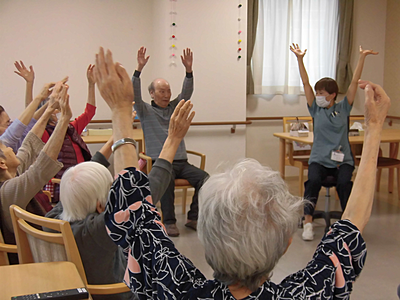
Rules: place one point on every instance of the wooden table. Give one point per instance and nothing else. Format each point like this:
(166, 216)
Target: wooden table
(102, 139)
(18, 280)
(391, 136)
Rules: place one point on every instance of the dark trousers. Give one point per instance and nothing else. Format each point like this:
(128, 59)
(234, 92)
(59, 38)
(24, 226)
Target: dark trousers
(317, 173)
(182, 169)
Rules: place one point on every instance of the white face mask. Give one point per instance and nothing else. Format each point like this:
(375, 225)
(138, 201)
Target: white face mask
(321, 101)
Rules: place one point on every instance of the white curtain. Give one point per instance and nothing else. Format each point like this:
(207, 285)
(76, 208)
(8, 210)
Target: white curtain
(313, 24)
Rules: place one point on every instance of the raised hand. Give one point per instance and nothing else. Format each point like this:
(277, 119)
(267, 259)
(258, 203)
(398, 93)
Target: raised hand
(187, 59)
(297, 51)
(113, 82)
(377, 103)
(28, 75)
(181, 119)
(90, 75)
(64, 103)
(46, 91)
(367, 52)
(142, 59)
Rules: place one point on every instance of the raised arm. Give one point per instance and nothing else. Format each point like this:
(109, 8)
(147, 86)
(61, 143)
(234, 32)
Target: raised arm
(91, 83)
(303, 73)
(116, 89)
(29, 76)
(359, 206)
(142, 61)
(187, 87)
(30, 111)
(351, 91)
(53, 145)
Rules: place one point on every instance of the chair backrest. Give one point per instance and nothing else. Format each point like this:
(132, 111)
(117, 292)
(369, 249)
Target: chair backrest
(288, 120)
(353, 119)
(286, 128)
(35, 245)
(4, 249)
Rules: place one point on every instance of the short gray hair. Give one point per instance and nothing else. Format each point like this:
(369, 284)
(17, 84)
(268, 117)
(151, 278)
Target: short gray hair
(81, 187)
(151, 87)
(246, 219)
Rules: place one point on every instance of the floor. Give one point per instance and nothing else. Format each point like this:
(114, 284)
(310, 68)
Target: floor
(381, 275)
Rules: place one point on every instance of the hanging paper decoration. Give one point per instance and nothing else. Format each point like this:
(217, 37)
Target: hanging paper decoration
(173, 38)
(239, 50)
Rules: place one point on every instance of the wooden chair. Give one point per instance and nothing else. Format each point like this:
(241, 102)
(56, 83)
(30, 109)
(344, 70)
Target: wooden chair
(4, 249)
(40, 246)
(357, 148)
(180, 184)
(298, 159)
(391, 164)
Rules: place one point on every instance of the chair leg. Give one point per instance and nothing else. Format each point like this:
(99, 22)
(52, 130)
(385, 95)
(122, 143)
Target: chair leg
(184, 194)
(390, 184)
(398, 182)
(301, 182)
(378, 179)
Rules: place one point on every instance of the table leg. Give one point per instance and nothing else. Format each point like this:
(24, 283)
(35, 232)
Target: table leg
(282, 151)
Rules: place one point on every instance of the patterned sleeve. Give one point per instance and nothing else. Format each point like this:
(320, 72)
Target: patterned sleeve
(336, 264)
(156, 270)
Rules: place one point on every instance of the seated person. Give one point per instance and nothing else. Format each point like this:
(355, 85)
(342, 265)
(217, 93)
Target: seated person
(246, 222)
(155, 119)
(74, 149)
(330, 136)
(83, 195)
(23, 175)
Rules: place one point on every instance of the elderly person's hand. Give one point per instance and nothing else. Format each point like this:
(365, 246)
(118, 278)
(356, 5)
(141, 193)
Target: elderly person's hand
(28, 75)
(113, 82)
(142, 59)
(180, 120)
(90, 74)
(377, 104)
(187, 60)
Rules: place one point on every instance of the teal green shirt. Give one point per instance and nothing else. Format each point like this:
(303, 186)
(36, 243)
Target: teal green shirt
(330, 132)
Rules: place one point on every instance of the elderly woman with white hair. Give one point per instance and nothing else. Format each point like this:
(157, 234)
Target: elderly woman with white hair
(83, 195)
(246, 222)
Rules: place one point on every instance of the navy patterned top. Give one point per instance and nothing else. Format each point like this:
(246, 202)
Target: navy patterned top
(156, 269)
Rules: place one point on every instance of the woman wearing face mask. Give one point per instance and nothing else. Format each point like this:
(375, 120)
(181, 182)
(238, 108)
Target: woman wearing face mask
(74, 150)
(331, 153)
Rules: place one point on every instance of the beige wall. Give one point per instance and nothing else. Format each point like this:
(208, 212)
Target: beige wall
(61, 37)
(369, 31)
(392, 58)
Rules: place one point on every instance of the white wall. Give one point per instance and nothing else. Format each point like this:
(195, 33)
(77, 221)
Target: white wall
(61, 37)
(368, 31)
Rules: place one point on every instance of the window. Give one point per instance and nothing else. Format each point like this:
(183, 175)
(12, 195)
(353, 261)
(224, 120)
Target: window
(313, 24)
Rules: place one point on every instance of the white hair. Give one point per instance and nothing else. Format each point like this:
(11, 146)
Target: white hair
(81, 187)
(246, 219)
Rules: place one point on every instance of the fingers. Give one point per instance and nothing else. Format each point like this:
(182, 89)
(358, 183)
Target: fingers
(369, 93)
(100, 71)
(64, 80)
(177, 109)
(121, 71)
(363, 83)
(110, 63)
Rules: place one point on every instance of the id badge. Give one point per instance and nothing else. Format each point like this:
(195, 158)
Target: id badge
(337, 156)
